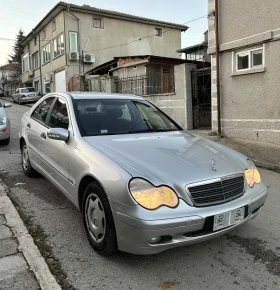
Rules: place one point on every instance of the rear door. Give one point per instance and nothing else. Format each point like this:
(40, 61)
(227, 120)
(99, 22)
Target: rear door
(36, 132)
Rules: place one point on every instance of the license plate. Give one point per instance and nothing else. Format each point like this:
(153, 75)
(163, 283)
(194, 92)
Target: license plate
(31, 95)
(230, 218)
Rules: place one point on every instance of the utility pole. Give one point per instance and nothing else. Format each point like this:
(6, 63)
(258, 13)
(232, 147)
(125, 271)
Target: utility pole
(218, 67)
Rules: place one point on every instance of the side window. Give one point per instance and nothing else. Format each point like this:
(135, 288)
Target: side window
(59, 115)
(41, 112)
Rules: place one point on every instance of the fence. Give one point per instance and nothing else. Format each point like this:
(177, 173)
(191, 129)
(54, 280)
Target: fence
(146, 84)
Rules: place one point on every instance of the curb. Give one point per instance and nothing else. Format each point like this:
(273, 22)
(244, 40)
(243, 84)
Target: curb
(26, 245)
(267, 166)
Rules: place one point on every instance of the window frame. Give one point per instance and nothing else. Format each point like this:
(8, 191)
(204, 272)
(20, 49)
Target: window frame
(25, 60)
(101, 22)
(76, 40)
(47, 117)
(161, 34)
(51, 109)
(33, 62)
(57, 41)
(43, 52)
(250, 53)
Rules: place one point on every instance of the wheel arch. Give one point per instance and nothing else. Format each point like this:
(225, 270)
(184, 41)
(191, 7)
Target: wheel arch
(21, 141)
(82, 186)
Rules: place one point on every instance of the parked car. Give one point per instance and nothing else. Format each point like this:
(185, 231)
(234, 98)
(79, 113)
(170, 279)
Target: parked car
(24, 95)
(4, 124)
(142, 183)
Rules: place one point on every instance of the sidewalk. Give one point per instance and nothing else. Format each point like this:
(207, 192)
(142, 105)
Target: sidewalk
(21, 264)
(264, 155)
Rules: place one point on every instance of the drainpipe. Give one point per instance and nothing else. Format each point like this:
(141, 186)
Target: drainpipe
(218, 67)
(40, 58)
(79, 38)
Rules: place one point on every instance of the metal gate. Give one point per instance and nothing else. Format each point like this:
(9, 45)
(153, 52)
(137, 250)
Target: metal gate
(201, 98)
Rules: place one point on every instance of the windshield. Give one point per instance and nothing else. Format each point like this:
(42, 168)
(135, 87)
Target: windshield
(109, 117)
(27, 90)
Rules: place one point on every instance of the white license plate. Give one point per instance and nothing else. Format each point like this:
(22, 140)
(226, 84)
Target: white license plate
(31, 95)
(230, 218)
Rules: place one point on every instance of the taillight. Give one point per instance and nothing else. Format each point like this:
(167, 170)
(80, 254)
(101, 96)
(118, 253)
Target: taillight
(23, 96)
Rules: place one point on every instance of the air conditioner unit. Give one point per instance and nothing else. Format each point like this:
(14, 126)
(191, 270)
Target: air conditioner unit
(30, 73)
(73, 56)
(89, 58)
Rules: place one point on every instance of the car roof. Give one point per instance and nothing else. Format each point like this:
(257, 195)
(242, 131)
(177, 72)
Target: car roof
(96, 95)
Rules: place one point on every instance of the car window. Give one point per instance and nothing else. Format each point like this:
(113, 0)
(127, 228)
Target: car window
(116, 116)
(24, 91)
(31, 90)
(59, 115)
(41, 112)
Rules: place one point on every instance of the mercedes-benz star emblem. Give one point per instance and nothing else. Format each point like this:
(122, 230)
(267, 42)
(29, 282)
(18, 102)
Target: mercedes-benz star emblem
(213, 165)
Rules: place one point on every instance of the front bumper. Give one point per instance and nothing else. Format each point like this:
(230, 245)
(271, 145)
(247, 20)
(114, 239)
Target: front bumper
(192, 225)
(4, 135)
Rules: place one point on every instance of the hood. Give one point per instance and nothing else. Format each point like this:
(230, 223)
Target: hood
(170, 158)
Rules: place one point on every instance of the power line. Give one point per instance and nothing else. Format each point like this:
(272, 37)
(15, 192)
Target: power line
(19, 10)
(18, 15)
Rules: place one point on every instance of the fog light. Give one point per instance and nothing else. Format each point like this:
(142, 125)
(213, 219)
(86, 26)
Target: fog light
(155, 240)
(4, 131)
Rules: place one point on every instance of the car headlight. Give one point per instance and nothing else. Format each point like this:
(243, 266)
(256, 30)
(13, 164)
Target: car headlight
(151, 197)
(3, 120)
(252, 174)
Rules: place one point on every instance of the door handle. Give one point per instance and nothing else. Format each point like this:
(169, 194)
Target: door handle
(43, 135)
(28, 125)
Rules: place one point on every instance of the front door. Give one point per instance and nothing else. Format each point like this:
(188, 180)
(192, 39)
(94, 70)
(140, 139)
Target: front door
(167, 80)
(60, 82)
(57, 152)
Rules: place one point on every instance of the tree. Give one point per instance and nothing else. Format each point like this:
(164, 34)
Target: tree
(17, 49)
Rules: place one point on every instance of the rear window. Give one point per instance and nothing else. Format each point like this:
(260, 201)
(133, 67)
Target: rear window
(28, 90)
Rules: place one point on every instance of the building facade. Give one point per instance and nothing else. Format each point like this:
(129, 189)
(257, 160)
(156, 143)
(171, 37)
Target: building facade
(9, 78)
(70, 40)
(249, 45)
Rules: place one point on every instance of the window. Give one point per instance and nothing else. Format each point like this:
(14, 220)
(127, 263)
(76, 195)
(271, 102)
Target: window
(35, 40)
(58, 46)
(53, 25)
(27, 90)
(73, 39)
(158, 32)
(98, 22)
(108, 117)
(35, 60)
(36, 85)
(59, 115)
(25, 62)
(46, 53)
(43, 34)
(47, 87)
(41, 112)
(250, 59)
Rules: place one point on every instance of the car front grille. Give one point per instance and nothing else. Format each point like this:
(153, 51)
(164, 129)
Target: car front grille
(217, 191)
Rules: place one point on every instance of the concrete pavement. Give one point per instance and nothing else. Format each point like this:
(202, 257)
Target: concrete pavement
(21, 264)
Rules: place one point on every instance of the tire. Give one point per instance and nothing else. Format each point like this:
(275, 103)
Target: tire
(97, 213)
(5, 141)
(14, 100)
(27, 168)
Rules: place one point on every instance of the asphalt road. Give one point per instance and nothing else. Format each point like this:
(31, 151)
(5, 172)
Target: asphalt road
(247, 258)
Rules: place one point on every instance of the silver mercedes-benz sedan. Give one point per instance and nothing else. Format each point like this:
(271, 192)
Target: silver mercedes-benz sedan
(24, 95)
(142, 183)
(4, 124)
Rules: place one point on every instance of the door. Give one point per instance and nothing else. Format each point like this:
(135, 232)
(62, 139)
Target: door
(57, 152)
(167, 80)
(36, 126)
(60, 82)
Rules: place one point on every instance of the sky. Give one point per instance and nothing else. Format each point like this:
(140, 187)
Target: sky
(26, 14)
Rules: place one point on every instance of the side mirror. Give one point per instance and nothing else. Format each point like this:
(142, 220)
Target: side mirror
(7, 105)
(58, 134)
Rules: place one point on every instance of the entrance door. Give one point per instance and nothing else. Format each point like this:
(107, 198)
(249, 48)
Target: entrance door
(201, 98)
(167, 80)
(60, 82)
